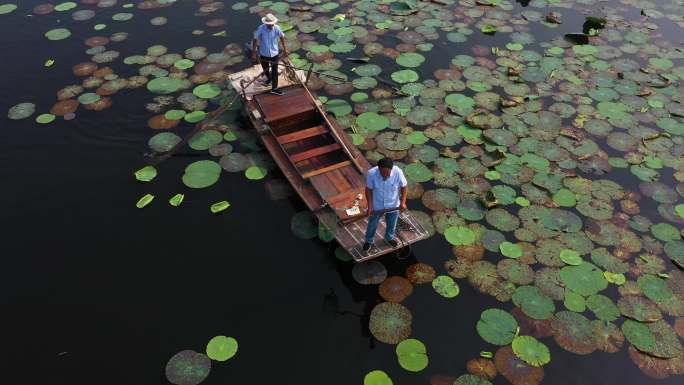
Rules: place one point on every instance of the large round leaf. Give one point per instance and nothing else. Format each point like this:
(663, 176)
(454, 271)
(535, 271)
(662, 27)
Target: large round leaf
(497, 327)
(530, 350)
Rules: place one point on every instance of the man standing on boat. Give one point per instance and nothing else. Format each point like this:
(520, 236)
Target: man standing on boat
(385, 194)
(265, 44)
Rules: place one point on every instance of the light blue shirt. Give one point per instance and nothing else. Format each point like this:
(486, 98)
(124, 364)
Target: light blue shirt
(385, 192)
(268, 40)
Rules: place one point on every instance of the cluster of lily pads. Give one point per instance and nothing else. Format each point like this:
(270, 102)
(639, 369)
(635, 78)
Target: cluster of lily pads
(554, 168)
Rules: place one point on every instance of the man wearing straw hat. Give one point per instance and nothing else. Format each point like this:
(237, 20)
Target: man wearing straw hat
(265, 44)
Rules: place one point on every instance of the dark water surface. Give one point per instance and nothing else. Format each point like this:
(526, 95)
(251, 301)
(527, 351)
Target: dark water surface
(97, 291)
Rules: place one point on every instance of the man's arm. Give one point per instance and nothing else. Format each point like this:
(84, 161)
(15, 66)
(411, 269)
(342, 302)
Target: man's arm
(282, 41)
(402, 202)
(369, 200)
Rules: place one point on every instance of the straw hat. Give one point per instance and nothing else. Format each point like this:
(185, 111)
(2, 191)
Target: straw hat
(269, 19)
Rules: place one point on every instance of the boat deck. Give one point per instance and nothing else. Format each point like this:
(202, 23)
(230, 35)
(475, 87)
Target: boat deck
(320, 162)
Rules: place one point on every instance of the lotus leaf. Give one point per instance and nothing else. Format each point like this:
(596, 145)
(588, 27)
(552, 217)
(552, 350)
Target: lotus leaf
(572, 331)
(165, 85)
(174, 114)
(570, 257)
(655, 288)
(405, 76)
(207, 91)
(585, 279)
(339, 107)
(511, 250)
(497, 327)
(21, 111)
(608, 337)
(603, 307)
(412, 355)
(665, 232)
(533, 303)
(377, 377)
(57, 34)
(470, 379)
(574, 302)
(201, 174)
(515, 370)
(304, 225)
(222, 348)
(205, 140)
(459, 235)
(45, 118)
(195, 116)
(418, 172)
(7, 8)
(639, 335)
(390, 322)
(256, 173)
(89, 98)
(144, 201)
(188, 368)
(372, 121)
(410, 59)
(514, 271)
(639, 308)
(445, 286)
(146, 174)
(176, 200)
(530, 350)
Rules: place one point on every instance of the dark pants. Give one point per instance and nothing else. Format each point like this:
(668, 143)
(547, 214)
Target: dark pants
(272, 73)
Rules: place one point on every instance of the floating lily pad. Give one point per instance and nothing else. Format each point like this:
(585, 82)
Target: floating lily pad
(418, 172)
(639, 335)
(188, 368)
(304, 225)
(533, 303)
(530, 350)
(256, 173)
(205, 140)
(390, 322)
(165, 85)
(639, 308)
(515, 370)
(445, 286)
(201, 174)
(219, 206)
(144, 201)
(412, 355)
(195, 116)
(7, 8)
(176, 200)
(377, 377)
(574, 302)
(497, 327)
(420, 273)
(405, 76)
(459, 235)
(410, 59)
(372, 121)
(21, 111)
(570, 257)
(146, 174)
(603, 307)
(572, 331)
(395, 289)
(511, 250)
(585, 279)
(222, 348)
(207, 91)
(57, 34)
(45, 118)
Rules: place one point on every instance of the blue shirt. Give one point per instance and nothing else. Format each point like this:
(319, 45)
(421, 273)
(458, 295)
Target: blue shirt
(268, 40)
(385, 192)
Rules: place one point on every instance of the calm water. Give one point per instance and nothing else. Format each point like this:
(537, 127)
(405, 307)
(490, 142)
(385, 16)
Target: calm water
(97, 291)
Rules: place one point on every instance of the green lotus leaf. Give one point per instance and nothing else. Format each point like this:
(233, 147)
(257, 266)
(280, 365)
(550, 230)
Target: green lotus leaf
(418, 172)
(377, 377)
(45, 118)
(207, 91)
(222, 348)
(368, 70)
(146, 174)
(459, 235)
(201, 174)
(144, 201)
(219, 206)
(410, 59)
(533, 303)
(339, 107)
(497, 327)
(372, 121)
(571, 257)
(665, 232)
(511, 250)
(163, 141)
(176, 200)
(89, 98)
(530, 350)
(174, 114)
(184, 64)
(573, 332)
(603, 307)
(412, 355)
(165, 85)
(574, 302)
(57, 34)
(584, 279)
(639, 335)
(205, 140)
(639, 308)
(405, 76)
(445, 286)
(655, 288)
(256, 173)
(7, 8)
(564, 198)
(418, 137)
(195, 116)
(488, 29)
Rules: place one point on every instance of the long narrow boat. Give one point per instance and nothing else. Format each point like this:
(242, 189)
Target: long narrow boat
(319, 161)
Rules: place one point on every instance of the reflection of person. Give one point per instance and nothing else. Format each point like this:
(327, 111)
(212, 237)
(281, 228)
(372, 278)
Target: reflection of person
(385, 190)
(265, 44)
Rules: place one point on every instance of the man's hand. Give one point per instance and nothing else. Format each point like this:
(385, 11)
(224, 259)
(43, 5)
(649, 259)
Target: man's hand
(254, 56)
(370, 210)
(402, 206)
(286, 52)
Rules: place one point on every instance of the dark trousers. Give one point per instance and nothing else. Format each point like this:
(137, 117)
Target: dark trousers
(272, 73)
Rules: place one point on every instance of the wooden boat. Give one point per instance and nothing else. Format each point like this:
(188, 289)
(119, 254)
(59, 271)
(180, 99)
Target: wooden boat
(317, 158)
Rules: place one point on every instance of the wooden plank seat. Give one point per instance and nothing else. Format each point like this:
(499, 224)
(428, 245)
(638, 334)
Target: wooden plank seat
(317, 151)
(293, 102)
(325, 169)
(303, 134)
